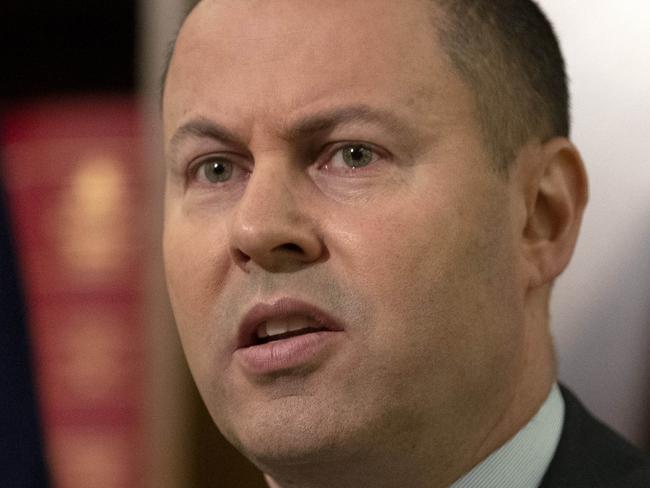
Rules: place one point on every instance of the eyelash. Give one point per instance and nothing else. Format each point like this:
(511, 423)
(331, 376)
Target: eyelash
(331, 151)
(195, 168)
(376, 154)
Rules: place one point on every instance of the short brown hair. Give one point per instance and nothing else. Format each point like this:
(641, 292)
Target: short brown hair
(508, 53)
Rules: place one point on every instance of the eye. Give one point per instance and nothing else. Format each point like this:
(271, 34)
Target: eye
(215, 170)
(357, 155)
(346, 158)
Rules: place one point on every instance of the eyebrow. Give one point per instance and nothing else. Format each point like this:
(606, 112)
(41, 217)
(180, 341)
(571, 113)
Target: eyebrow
(323, 121)
(328, 120)
(202, 127)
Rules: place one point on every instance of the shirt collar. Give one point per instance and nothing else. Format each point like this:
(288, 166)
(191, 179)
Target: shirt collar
(524, 459)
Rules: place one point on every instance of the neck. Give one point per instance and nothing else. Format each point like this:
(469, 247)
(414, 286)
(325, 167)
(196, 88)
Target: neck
(417, 470)
(531, 387)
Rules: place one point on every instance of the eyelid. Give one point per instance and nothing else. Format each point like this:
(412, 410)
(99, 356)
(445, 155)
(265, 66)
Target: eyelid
(195, 165)
(330, 150)
(325, 155)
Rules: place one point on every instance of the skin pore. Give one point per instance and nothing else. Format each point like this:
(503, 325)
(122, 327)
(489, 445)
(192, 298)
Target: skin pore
(438, 267)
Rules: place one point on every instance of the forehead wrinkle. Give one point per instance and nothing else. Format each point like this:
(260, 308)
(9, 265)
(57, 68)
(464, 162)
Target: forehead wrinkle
(202, 127)
(329, 119)
(306, 126)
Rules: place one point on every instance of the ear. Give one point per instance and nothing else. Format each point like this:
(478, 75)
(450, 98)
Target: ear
(554, 187)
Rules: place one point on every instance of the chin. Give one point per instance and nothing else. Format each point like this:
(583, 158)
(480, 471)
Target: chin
(293, 436)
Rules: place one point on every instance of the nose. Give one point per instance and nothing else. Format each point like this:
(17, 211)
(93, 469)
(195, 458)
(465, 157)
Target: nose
(271, 225)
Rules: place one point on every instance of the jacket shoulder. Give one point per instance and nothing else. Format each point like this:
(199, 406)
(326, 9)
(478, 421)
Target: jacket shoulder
(592, 455)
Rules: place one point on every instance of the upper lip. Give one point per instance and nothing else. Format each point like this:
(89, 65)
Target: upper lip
(284, 307)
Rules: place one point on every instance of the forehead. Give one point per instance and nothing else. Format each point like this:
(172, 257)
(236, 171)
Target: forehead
(241, 57)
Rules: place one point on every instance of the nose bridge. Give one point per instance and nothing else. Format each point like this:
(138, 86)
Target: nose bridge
(271, 225)
(269, 198)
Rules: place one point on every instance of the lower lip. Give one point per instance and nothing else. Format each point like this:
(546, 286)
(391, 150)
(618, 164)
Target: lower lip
(286, 354)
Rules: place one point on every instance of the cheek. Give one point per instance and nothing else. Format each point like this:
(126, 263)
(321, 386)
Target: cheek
(398, 252)
(433, 277)
(195, 258)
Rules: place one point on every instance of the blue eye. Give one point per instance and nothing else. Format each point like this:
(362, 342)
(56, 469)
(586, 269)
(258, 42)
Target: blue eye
(216, 170)
(357, 156)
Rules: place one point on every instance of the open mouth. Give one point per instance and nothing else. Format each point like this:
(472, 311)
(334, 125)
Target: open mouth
(284, 322)
(285, 335)
(278, 329)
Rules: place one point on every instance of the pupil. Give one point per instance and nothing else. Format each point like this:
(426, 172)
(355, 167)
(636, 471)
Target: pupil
(217, 171)
(357, 156)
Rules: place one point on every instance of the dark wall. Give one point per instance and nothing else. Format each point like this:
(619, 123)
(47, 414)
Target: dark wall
(67, 46)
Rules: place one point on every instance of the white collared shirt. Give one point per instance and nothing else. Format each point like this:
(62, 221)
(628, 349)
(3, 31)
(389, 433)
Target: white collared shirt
(523, 460)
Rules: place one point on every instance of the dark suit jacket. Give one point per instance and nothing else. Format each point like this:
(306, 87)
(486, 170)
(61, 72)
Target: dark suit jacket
(590, 455)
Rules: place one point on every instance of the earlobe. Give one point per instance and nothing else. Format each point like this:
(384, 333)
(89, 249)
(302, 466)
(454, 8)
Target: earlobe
(556, 193)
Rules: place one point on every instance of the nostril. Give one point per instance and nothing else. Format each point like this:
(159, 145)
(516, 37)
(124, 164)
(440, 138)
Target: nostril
(241, 257)
(291, 247)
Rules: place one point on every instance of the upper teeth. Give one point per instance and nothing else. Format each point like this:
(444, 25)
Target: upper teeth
(283, 325)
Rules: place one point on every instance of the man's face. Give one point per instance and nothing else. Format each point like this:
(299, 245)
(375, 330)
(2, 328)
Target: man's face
(325, 170)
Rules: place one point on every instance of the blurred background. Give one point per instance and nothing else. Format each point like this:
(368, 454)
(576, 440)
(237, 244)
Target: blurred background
(94, 387)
